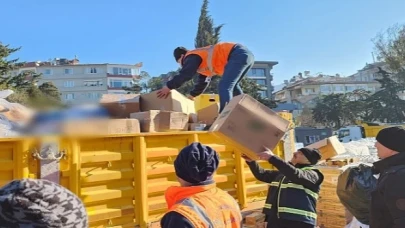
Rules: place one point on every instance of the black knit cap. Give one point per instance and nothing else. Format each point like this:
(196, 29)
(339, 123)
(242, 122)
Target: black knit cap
(178, 52)
(313, 155)
(196, 163)
(40, 204)
(393, 138)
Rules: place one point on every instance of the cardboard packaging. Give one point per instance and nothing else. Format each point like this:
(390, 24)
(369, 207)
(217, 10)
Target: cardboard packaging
(328, 147)
(175, 102)
(161, 121)
(208, 114)
(101, 127)
(120, 105)
(249, 126)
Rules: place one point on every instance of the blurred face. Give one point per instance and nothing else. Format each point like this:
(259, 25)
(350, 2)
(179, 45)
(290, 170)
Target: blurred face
(384, 152)
(299, 158)
(180, 60)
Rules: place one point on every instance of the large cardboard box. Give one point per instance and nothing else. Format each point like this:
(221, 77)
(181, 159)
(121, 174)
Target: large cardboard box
(100, 127)
(120, 105)
(161, 121)
(175, 102)
(249, 126)
(328, 147)
(208, 114)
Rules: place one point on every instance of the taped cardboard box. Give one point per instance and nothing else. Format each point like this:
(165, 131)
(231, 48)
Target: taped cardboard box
(175, 102)
(161, 121)
(121, 105)
(249, 126)
(208, 114)
(328, 147)
(100, 127)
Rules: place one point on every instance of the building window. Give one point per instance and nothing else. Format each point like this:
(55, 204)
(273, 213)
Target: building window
(350, 88)
(69, 96)
(263, 94)
(91, 70)
(68, 71)
(257, 72)
(312, 139)
(93, 83)
(339, 88)
(325, 88)
(122, 71)
(69, 84)
(261, 82)
(47, 71)
(93, 95)
(116, 83)
(310, 90)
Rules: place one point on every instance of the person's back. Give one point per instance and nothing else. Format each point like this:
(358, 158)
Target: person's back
(198, 203)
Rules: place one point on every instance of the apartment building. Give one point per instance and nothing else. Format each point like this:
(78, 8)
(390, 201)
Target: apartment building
(84, 83)
(304, 91)
(261, 73)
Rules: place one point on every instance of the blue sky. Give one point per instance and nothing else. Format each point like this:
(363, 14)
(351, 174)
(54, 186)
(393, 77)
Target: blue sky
(321, 36)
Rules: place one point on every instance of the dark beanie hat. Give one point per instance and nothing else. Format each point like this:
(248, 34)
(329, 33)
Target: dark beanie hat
(313, 155)
(40, 203)
(196, 163)
(392, 138)
(178, 52)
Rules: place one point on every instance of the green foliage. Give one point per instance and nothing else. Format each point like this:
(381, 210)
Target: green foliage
(138, 83)
(390, 48)
(385, 105)
(330, 110)
(25, 84)
(207, 33)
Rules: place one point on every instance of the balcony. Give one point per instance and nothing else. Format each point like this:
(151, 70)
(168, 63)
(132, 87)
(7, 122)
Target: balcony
(123, 76)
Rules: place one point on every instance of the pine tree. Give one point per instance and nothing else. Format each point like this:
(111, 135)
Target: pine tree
(385, 105)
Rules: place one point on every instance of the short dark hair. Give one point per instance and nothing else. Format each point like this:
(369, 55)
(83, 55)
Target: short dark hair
(178, 52)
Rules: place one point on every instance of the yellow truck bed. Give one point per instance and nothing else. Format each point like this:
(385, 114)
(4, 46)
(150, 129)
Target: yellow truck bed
(122, 178)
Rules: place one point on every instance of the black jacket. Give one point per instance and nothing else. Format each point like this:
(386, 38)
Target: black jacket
(191, 63)
(388, 200)
(174, 219)
(311, 179)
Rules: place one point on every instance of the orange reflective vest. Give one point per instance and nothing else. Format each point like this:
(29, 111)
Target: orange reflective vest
(214, 58)
(205, 206)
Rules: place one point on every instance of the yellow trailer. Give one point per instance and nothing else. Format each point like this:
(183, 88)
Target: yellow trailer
(122, 178)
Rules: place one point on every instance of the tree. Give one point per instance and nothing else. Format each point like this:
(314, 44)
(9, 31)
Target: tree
(155, 83)
(385, 105)
(306, 118)
(207, 33)
(390, 48)
(24, 84)
(250, 87)
(138, 83)
(330, 110)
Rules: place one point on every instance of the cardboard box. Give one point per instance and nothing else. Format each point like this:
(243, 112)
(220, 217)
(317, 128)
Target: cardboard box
(249, 126)
(161, 121)
(193, 118)
(175, 102)
(208, 114)
(120, 105)
(328, 147)
(101, 127)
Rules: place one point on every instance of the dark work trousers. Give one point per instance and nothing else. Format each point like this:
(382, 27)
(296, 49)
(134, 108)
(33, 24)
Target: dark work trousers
(288, 224)
(239, 62)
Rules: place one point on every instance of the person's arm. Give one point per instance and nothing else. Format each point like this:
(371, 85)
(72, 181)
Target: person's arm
(263, 175)
(394, 198)
(174, 219)
(189, 69)
(200, 86)
(298, 176)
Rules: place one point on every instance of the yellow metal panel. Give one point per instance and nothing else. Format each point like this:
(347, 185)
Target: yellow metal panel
(205, 100)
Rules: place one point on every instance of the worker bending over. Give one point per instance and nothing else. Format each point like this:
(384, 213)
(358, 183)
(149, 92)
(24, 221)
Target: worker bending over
(294, 188)
(198, 203)
(388, 199)
(230, 60)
